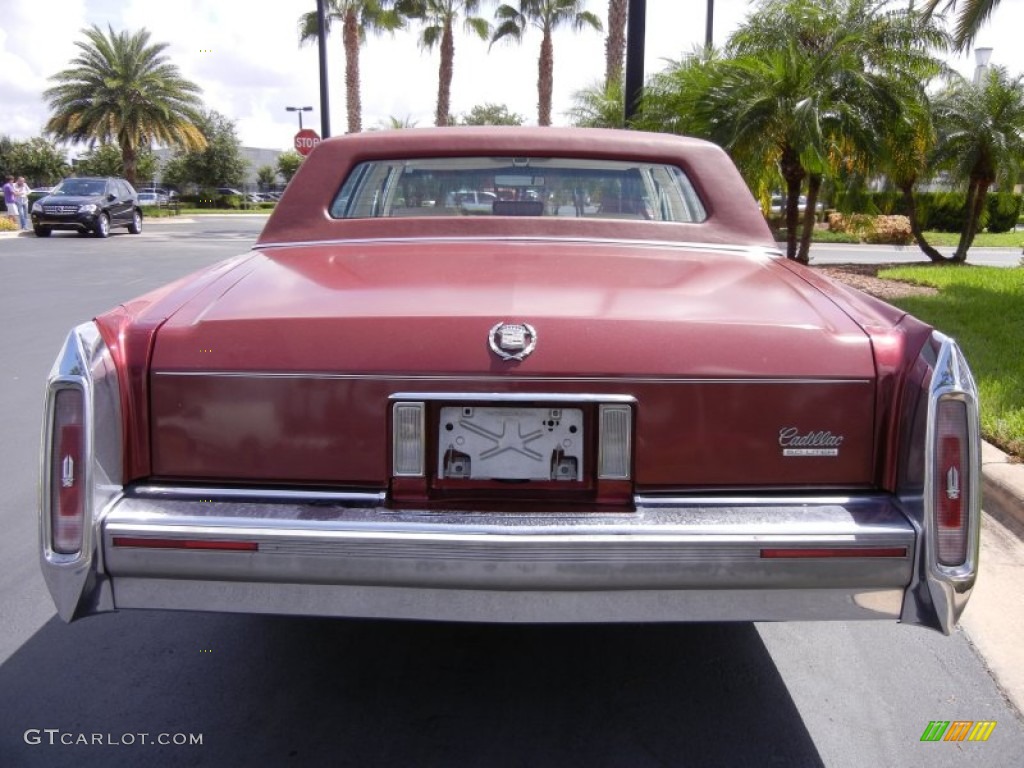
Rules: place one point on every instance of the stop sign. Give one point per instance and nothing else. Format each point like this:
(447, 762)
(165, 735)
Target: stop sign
(305, 140)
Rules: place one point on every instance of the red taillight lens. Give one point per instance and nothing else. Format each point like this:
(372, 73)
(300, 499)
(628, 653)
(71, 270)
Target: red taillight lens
(951, 479)
(67, 471)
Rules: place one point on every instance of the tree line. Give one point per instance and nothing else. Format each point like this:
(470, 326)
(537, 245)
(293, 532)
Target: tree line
(816, 96)
(811, 96)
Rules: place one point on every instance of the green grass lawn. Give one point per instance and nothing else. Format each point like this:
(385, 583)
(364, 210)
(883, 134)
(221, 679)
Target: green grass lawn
(983, 309)
(153, 212)
(981, 240)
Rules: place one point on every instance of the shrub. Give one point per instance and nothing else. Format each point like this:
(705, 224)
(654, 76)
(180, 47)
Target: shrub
(1003, 211)
(943, 211)
(890, 230)
(6, 225)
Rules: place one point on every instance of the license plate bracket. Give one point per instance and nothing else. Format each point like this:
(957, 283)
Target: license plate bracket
(511, 443)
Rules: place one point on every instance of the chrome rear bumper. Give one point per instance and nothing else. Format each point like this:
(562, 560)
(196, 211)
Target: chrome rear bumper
(671, 560)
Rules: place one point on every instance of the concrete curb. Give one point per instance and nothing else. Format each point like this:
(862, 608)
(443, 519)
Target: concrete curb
(1002, 487)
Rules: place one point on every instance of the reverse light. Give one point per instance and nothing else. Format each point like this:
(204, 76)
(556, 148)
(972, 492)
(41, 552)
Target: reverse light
(67, 471)
(614, 454)
(408, 444)
(951, 478)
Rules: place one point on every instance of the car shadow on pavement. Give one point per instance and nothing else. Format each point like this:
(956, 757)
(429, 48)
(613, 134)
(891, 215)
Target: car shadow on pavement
(284, 691)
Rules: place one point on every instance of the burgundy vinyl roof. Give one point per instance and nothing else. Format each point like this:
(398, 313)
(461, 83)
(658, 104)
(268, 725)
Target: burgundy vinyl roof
(302, 215)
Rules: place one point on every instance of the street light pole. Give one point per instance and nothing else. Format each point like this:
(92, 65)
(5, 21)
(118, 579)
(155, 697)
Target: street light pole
(635, 33)
(709, 26)
(300, 110)
(321, 38)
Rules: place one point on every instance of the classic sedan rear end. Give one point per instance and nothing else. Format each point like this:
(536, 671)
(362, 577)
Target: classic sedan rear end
(633, 411)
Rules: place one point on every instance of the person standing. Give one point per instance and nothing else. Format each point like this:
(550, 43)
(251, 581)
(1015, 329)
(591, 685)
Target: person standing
(21, 190)
(11, 200)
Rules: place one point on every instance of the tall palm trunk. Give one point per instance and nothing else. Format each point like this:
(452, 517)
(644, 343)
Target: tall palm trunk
(615, 43)
(793, 173)
(353, 103)
(977, 191)
(545, 78)
(910, 203)
(809, 218)
(444, 75)
(129, 159)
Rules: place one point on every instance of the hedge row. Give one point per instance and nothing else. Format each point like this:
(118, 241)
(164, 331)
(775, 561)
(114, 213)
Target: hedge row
(212, 199)
(940, 211)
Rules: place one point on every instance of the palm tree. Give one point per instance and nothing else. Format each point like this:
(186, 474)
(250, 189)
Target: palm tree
(599, 107)
(438, 18)
(973, 15)
(545, 15)
(395, 123)
(906, 142)
(849, 66)
(357, 17)
(615, 42)
(120, 88)
(981, 138)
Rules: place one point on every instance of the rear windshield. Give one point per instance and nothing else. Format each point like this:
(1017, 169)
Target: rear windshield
(518, 186)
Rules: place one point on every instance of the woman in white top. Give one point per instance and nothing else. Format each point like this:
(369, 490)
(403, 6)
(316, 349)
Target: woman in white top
(21, 190)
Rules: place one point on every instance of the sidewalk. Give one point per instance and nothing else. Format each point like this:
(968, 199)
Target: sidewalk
(994, 618)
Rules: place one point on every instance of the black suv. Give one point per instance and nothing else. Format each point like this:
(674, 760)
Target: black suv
(88, 204)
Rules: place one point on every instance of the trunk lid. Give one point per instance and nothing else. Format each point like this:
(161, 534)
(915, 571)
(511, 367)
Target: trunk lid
(285, 374)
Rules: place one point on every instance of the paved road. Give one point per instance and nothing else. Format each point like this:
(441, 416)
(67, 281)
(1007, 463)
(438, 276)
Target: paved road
(283, 691)
(825, 253)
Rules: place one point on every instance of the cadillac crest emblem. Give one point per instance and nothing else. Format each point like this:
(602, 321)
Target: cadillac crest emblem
(512, 341)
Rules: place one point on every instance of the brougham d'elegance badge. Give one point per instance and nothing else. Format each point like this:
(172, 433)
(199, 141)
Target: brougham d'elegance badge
(512, 341)
(814, 443)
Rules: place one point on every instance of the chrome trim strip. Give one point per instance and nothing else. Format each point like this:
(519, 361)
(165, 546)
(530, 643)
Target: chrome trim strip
(656, 502)
(750, 250)
(512, 397)
(505, 379)
(220, 493)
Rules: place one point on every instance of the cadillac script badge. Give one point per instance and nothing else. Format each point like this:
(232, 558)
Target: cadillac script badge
(814, 443)
(512, 341)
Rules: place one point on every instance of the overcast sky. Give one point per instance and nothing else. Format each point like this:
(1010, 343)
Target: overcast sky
(245, 56)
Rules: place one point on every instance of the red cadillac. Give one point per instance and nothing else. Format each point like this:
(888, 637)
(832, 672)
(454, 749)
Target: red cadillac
(597, 394)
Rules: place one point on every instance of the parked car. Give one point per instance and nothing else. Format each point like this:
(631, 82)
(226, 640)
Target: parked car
(523, 416)
(163, 195)
(471, 201)
(778, 204)
(88, 205)
(229, 191)
(152, 198)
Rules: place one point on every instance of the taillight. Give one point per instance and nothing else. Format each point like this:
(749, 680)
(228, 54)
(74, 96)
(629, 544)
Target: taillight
(951, 478)
(67, 471)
